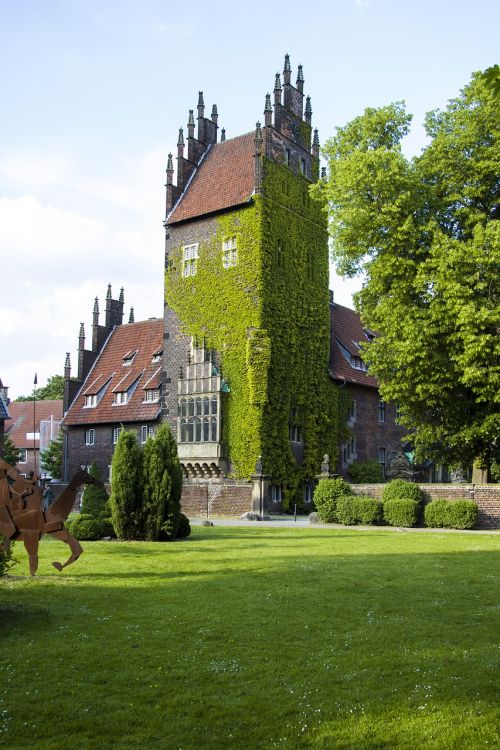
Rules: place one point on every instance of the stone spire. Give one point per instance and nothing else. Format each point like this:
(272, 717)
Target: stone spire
(131, 316)
(223, 135)
(287, 70)
(277, 89)
(300, 80)
(170, 170)
(190, 125)
(268, 112)
(308, 110)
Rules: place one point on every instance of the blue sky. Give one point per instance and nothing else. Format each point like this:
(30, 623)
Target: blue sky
(93, 94)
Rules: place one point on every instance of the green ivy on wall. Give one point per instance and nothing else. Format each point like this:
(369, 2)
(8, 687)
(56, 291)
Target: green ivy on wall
(268, 317)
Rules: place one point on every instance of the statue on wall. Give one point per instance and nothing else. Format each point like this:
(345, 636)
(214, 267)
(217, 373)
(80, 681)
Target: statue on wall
(24, 517)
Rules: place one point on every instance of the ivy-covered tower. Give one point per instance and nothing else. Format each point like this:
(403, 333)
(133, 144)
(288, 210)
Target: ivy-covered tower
(247, 334)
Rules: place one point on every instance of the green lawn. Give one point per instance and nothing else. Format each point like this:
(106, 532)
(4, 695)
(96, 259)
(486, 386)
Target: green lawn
(255, 638)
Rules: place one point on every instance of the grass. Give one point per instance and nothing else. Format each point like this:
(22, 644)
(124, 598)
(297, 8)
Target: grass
(255, 638)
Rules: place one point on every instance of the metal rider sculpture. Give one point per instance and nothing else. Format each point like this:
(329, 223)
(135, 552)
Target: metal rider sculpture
(23, 517)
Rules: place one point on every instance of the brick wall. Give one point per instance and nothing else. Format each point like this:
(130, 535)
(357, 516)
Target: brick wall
(219, 499)
(487, 497)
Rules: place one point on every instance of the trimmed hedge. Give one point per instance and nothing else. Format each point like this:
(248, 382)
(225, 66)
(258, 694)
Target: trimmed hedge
(399, 489)
(401, 512)
(366, 472)
(90, 529)
(451, 514)
(326, 494)
(353, 509)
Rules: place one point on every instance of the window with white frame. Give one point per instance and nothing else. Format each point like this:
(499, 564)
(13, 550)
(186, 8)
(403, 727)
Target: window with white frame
(147, 431)
(229, 252)
(90, 401)
(116, 434)
(189, 258)
(151, 395)
(121, 397)
(90, 436)
(22, 455)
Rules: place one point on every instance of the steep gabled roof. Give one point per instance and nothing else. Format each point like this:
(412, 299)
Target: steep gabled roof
(23, 423)
(110, 375)
(225, 178)
(346, 331)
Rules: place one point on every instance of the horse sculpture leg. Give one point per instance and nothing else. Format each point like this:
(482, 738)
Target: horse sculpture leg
(31, 540)
(74, 544)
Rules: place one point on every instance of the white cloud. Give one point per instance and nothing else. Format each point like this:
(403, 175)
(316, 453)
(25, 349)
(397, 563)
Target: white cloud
(363, 3)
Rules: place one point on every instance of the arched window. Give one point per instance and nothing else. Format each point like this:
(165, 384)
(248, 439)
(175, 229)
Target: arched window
(197, 430)
(206, 406)
(183, 431)
(198, 406)
(213, 430)
(214, 404)
(190, 430)
(183, 408)
(206, 429)
(190, 407)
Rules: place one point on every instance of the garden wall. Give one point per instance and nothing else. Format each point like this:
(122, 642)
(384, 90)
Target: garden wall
(487, 496)
(216, 499)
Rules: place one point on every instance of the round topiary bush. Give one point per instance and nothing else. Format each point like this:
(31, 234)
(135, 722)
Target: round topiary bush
(184, 528)
(326, 494)
(399, 489)
(451, 514)
(90, 529)
(366, 472)
(401, 512)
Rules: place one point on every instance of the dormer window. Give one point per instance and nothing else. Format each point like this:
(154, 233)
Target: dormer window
(358, 363)
(229, 252)
(157, 356)
(151, 395)
(128, 358)
(189, 258)
(90, 401)
(121, 397)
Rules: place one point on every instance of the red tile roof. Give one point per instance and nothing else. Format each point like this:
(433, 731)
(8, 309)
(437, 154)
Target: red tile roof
(144, 338)
(346, 329)
(22, 420)
(225, 178)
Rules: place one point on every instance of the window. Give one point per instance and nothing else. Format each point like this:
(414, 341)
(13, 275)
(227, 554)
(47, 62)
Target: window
(351, 417)
(22, 455)
(189, 258)
(90, 436)
(229, 252)
(398, 413)
(116, 434)
(381, 411)
(381, 458)
(214, 404)
(157, 356)
(358, 363)
(303, 166)
(308, 493)
(287, 157)
(90, 401)
(121, 397)
(128, 358)
(151, 395)
(295, 426)
(147, 431)
(276, 493)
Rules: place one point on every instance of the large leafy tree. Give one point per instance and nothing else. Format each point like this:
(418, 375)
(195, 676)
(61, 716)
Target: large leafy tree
(52, 391)
(127, 487)
(425, 233)
(162, 486)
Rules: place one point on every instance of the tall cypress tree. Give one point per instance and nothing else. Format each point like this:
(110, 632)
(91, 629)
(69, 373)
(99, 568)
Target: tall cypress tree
(127, 488)
(162, 486)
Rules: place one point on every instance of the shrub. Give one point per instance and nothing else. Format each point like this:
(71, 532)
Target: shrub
(6, 556)
(352, 509)
(162, 486)
(326, 495)
(126, 484)
(399, 489)
(95, 499)
(366, 472)
(184, 527)
(401, 512)
(88, 528)
(451, 514)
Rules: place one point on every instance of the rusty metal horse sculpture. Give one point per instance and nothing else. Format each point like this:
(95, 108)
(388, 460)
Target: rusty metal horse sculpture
(22, 515)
